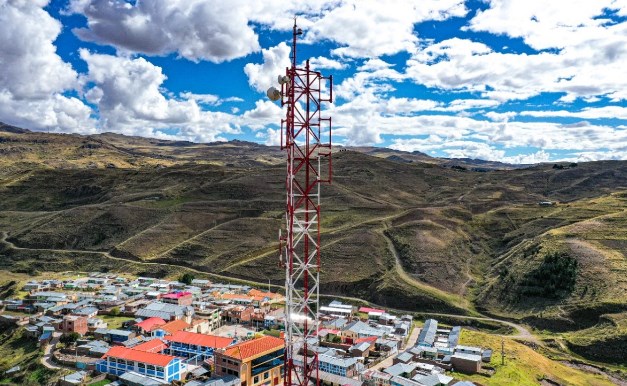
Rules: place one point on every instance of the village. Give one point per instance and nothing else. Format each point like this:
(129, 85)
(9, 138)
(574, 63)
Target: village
(121, 330)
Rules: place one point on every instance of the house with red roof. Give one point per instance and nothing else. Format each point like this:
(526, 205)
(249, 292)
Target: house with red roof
(256, 361)
(153, 345)
(197, 346)
(119, 360)
(148, 325)
(367, 310)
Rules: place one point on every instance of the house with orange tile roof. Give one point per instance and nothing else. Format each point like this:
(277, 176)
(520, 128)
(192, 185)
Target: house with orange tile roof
(243, 300)
(270, 297)
(170, 328)
(256, 362)
(197, 346)
(119, 360)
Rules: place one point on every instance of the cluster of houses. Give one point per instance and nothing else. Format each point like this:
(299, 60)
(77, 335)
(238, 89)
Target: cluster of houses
(436, 351)
(169, 334)
(75, 305)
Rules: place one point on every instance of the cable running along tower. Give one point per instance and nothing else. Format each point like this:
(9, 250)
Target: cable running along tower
(306, 137)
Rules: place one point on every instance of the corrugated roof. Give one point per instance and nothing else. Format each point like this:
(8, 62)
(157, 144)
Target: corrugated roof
(130, 354)
(254, 347)
(199, 339)
(427, 334)
(369, 339)
(339, 380)
(468, 357)
(131, 377)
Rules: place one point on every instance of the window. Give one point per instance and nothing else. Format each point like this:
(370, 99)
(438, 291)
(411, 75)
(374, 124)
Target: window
(142, 366)
(266, 375)
(256, 380)
(151, 367)
(160, 369)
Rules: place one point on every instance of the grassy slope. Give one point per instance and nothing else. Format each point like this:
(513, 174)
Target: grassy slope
(524, 366)
(18, 350)
(593, 231)
(451, 230)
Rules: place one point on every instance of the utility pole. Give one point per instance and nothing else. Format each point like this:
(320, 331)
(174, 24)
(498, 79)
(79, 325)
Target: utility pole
(502, 351)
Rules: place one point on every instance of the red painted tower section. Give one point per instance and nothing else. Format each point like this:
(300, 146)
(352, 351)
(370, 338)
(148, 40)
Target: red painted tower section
(306, 137)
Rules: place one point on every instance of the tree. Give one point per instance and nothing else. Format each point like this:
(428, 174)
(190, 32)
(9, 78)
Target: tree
(68, 339)
(115, 311)
(186, 278)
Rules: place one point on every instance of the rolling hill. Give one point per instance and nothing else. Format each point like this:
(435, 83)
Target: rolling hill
(401, 229)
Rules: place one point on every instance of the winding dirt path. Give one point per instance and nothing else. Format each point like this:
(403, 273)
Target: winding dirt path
(46, 360)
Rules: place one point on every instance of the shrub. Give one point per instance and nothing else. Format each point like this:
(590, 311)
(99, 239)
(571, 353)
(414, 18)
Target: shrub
(186, 278)
(555, 277)
(70, 338)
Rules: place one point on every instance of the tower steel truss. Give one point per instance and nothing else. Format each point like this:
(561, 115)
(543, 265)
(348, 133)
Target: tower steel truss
(306, 137)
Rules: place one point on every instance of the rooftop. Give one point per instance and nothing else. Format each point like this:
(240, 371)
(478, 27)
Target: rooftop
(150, 323)
(401, 368)
(176, 295)
(468, 357)
(174, 326)
(199, 339)
(134, 378)
(255, 347)
(130, 354)
(269, 295)
(368, 310)
(154, 345)
(340, 362)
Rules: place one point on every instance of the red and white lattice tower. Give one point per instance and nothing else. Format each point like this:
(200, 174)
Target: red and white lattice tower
(306, 137)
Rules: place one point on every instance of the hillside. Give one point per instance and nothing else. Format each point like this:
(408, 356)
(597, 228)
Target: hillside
(411, 235)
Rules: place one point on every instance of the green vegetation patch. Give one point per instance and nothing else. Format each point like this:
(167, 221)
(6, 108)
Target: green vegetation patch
(18, 350)
(523, 366)
(554, 278)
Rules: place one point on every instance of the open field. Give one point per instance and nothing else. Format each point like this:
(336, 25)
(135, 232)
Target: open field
(523, 365)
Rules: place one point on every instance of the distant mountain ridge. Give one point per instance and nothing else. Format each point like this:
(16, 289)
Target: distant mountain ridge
(186, 151)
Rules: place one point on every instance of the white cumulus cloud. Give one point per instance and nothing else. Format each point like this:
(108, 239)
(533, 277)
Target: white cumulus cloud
(275, 60)
(33, 78)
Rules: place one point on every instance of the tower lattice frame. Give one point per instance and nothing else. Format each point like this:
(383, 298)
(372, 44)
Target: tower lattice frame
(306, 137)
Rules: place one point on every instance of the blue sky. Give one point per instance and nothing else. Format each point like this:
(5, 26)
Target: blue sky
(508, 80)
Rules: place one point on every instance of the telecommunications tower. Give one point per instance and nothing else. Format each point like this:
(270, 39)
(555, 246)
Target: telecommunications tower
(306, 137)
